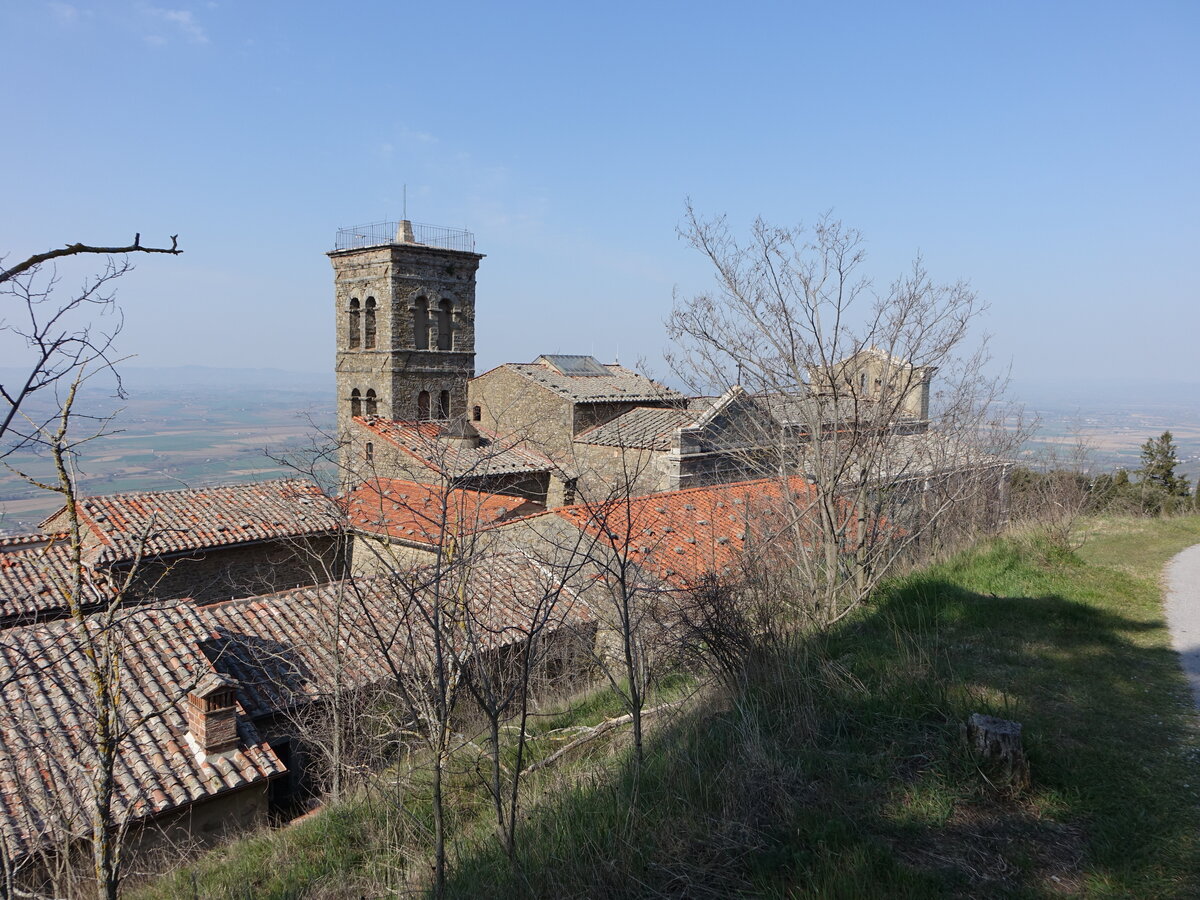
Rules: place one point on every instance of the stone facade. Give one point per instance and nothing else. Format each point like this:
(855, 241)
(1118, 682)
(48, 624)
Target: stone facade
(405, 330)
(504, 401)
(219, 573)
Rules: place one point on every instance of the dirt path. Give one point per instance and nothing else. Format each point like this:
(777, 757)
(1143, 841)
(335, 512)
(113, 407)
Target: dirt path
(1182, 577)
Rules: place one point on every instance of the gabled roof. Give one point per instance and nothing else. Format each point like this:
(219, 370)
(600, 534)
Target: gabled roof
(286, 648)
(430, 445)
(680, 536)
(645, 427)
(161, 523)
(46, 742)
(424, 513)
(616, 384)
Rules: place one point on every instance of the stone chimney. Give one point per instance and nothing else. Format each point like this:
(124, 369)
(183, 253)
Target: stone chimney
(404, 233)
(211, 714)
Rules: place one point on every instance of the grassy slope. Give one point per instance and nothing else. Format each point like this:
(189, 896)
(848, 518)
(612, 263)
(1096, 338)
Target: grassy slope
(840, 770)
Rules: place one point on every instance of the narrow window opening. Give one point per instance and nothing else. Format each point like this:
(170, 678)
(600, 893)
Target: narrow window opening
(421, 324)
(372, 405)
(355, 403)
(369, 324)
(476, 414)
(444, 405)
(444, 339)
(862, 383)
(423, 405)
(370, 451)
(355, 338)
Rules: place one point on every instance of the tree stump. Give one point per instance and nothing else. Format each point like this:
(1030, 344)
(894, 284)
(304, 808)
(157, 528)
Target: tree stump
(997, 743)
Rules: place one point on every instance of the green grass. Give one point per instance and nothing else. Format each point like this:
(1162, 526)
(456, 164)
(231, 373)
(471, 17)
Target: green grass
(839, 770)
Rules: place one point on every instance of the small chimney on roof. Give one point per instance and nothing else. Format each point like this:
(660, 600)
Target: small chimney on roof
(460, 433)
(404, 233)
(212, 715)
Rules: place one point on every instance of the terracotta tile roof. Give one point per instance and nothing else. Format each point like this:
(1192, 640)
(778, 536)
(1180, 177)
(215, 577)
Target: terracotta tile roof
(408, 511)
(45, 748)
(285, 648)
(422, 442)
(619, 383)
(172, 522)
(34, 582)
(680, 536)
(31, 541)
(646, 427)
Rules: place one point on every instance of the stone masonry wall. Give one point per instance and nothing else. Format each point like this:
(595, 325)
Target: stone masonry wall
(516, 408)
(218, 574)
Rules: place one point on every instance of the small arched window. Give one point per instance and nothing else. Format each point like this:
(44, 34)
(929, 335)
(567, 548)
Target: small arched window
(369, 324)
(445, 339)
(476, 414)
(371, 404)
(369, 451)
(355, 402)
(421, 324)
(862, 383)
(444, 405)
(423, 405)
(355, 339)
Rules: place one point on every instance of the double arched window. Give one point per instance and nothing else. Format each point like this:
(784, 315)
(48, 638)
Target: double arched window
(355, 334)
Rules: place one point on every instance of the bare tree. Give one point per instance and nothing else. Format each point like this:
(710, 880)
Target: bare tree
(870, 459)
(101, 716)
(59, 335)
(65, 349)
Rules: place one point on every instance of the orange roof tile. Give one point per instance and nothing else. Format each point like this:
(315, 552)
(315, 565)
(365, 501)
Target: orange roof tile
(680, 536)
(424, 513)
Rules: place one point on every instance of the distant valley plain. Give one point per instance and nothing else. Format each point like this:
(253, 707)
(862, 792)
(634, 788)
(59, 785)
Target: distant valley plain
(197, 426)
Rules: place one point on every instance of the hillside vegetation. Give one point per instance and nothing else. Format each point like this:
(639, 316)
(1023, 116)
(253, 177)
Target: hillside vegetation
(838, 768)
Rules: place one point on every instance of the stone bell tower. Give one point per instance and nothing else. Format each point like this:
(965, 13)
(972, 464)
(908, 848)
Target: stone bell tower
(405, 306)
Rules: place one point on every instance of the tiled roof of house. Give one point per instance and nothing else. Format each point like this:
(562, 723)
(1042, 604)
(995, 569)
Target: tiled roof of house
(680, 536)
(408, 511)
(285, 648)
(161, 523)
(619, 383)
(46, 736)
(35, 582)
(646, 427)
(31, 541)
(424, 442)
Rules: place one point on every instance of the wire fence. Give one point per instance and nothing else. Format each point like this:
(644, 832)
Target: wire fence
(378, 233)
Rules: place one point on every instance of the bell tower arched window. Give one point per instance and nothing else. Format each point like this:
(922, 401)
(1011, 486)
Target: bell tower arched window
(371, 404)
(444, 405)
(355, 402)
(444, 337)
(423, 405)
(369, 324)
(421, 324)
(355, 339)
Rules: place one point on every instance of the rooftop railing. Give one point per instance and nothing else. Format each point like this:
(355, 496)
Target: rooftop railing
(379, 233)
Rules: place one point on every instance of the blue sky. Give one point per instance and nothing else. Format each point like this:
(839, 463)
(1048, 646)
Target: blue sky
(1046, 152)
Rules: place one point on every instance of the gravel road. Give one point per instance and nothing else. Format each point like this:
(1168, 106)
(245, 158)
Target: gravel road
(1183, 612)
